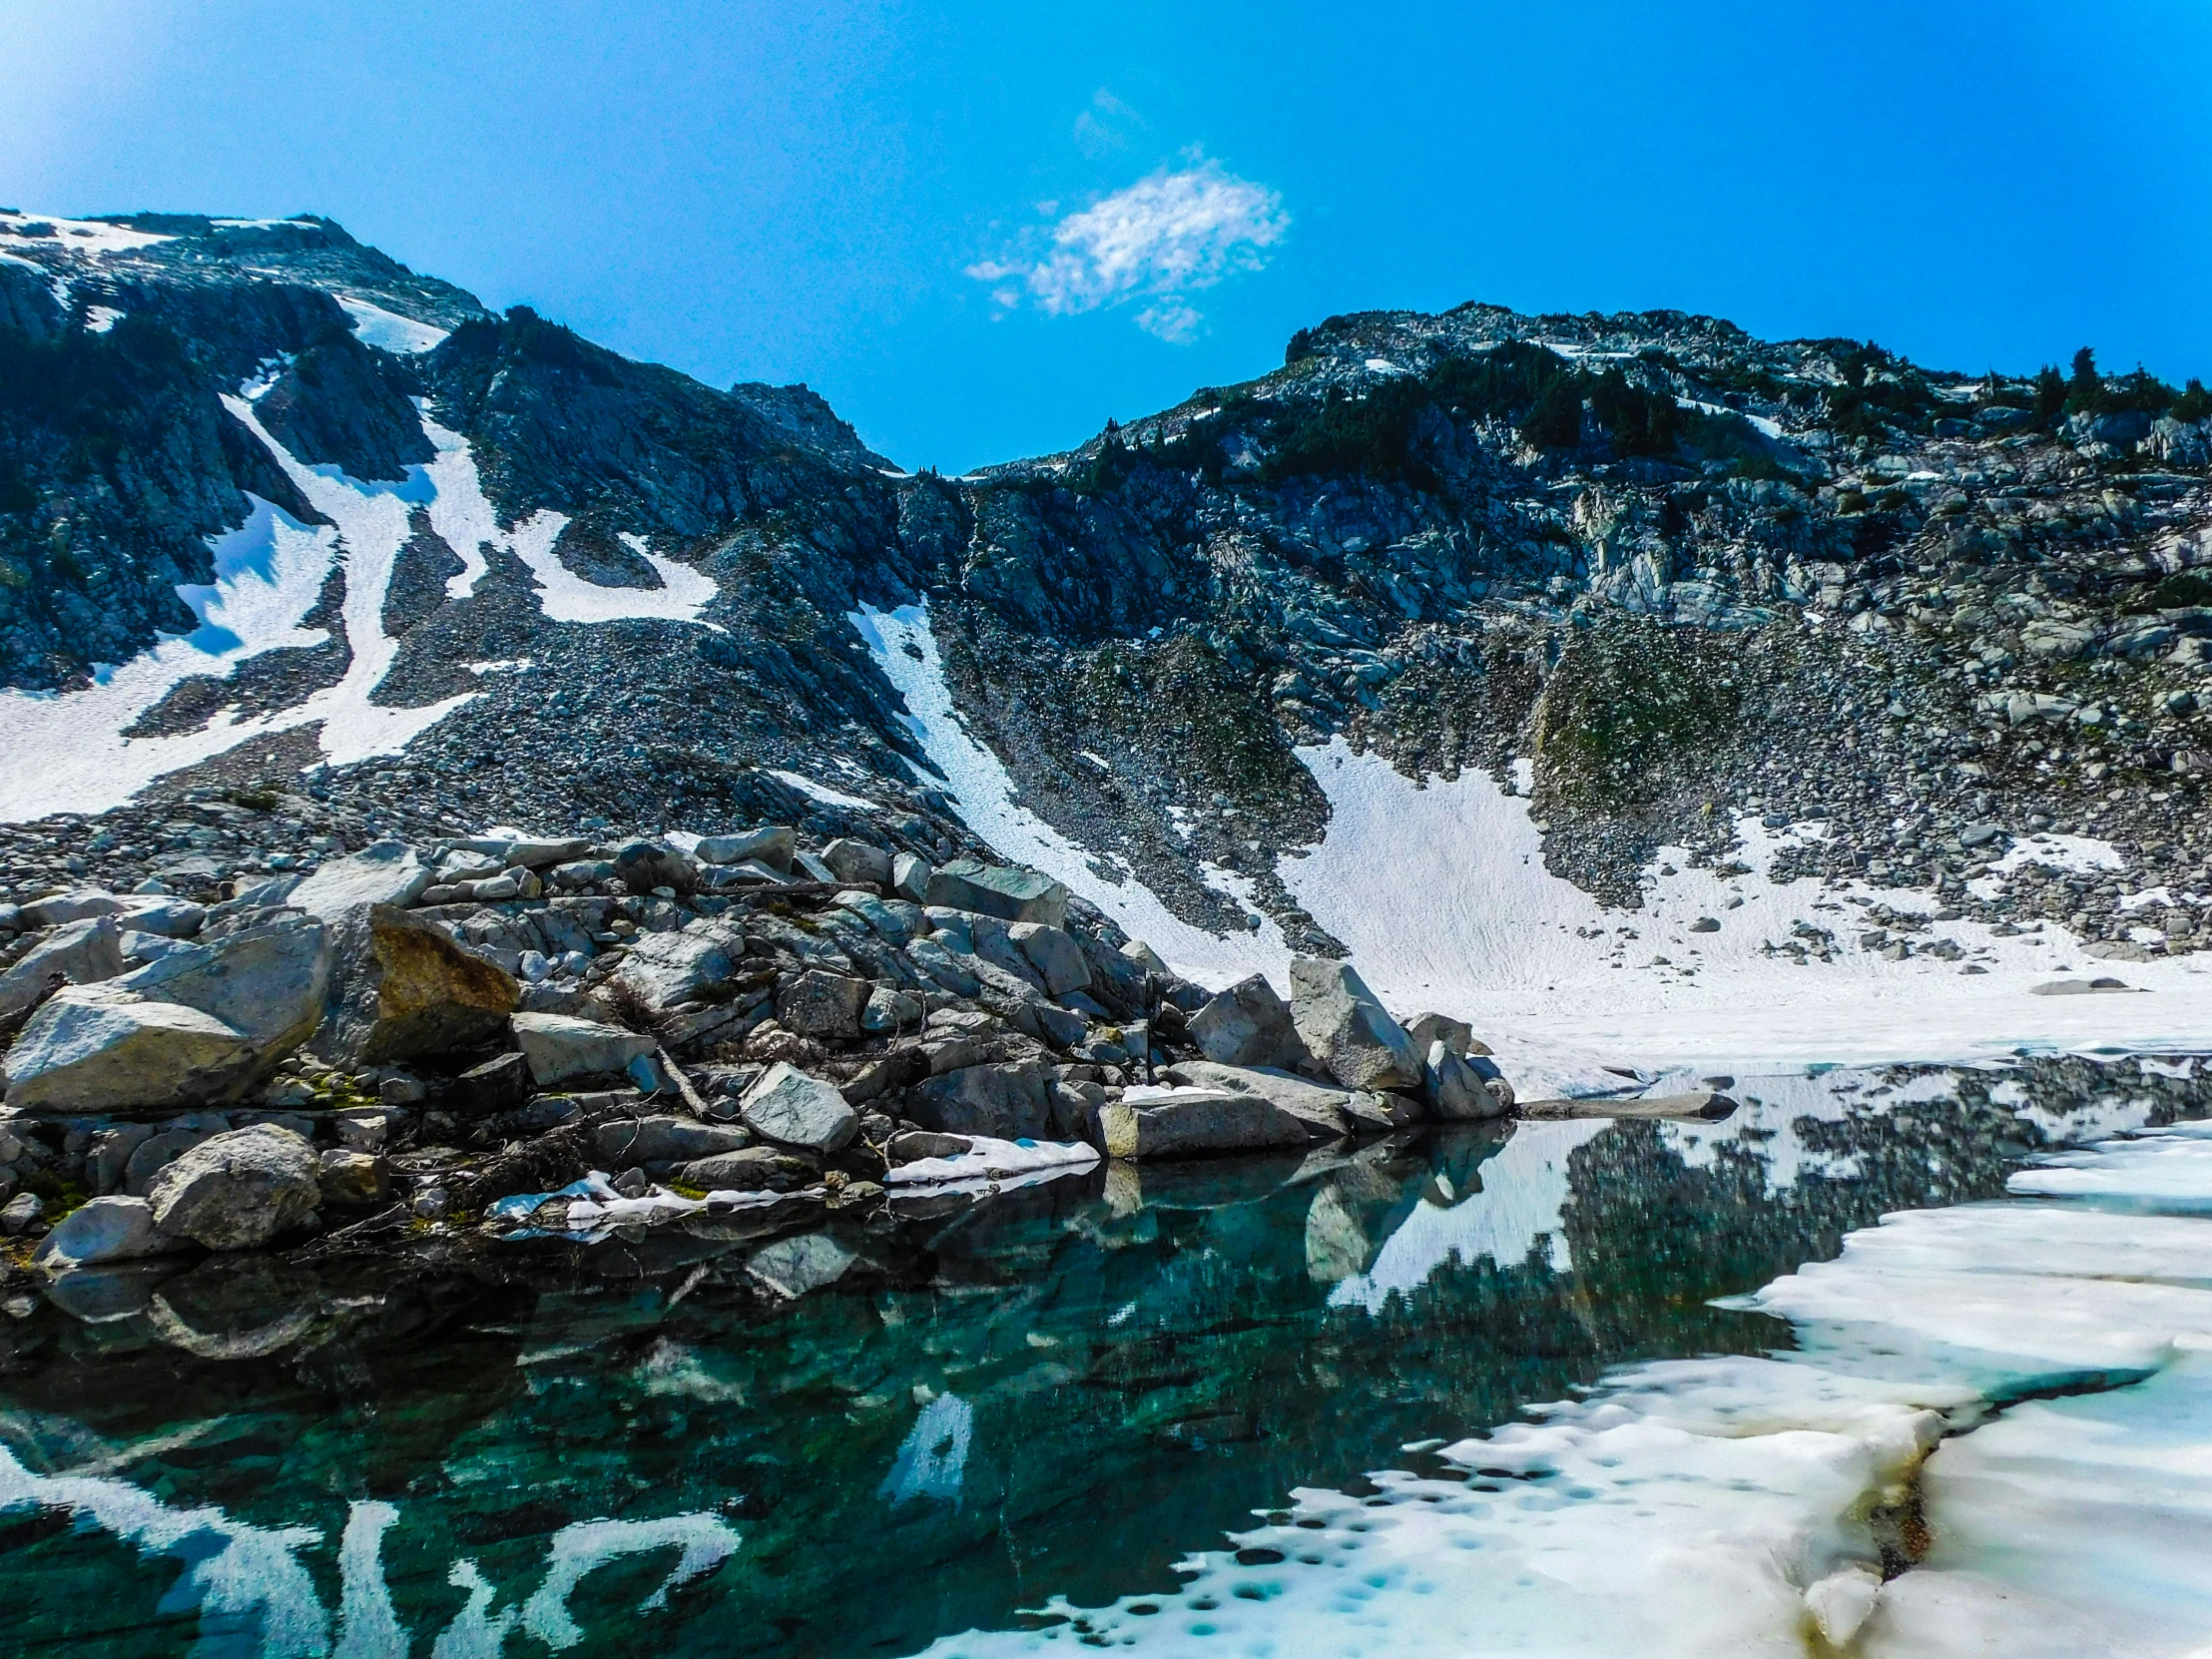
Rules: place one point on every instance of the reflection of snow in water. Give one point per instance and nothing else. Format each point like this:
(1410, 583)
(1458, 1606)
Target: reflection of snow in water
(1729, 1507)
(1524, 1193)
(934, 1456)
(254, 1595)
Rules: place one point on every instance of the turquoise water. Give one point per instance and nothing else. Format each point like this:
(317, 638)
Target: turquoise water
(860, 1439)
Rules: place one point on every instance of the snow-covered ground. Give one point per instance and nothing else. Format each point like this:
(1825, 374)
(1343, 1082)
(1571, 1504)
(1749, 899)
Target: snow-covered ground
(377, 326)
(1722, 1507)
(65, 750)
(1439, 890)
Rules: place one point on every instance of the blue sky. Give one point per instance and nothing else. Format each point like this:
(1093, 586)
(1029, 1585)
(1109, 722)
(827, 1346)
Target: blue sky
(981, 229)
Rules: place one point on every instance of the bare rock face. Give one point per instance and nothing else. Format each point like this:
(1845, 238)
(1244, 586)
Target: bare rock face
(1006, 1101)
(239, 1190)
(268, 983)
(1348, 1029)
(665, 969)
(401, 987)
(1247, 1025)
(824, 1004)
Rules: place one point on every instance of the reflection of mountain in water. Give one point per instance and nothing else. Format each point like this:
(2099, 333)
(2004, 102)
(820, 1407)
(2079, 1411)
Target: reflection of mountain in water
(1061, 1390)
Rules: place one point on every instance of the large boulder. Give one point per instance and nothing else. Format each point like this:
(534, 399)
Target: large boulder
(750, 1169)
(81, 905)
(1455, 1034)
(82, 952)
(269, 981)
(662, 969)
(771, 845)
(1174, 1122)
(1247, 1025)
(1456, 1091)
(643, 865)
(665, 1140)
(1348, 1028)
(103, 1230)
(1007, 1101)
(1002, 890)
(560, 1046)
(1328, 1112)
(163, 914)
(400, 986)
(99, 1048)
(856, 861)
(791, 1108)
(237, 1191)
(1054, 954)
(388, 872)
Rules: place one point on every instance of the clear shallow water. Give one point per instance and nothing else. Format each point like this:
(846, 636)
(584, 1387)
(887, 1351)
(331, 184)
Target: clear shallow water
(1058, 1393)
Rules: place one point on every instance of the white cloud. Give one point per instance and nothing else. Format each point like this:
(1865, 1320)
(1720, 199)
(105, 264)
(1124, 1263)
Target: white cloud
(1160, 241)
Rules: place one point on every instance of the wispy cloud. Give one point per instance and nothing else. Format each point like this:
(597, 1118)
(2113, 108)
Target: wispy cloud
(1158, 242)
(1105, 126)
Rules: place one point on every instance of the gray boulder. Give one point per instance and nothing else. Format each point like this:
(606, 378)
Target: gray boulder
(1002, 890)
(788, 1106)
(665, 1140)
(894, 921)
(1055, 956)
(237, 1191)
(662, 969)
(1349, 1030)
(819, 1003)
(856, 861)
(1456, 1091)
(911, 878)
(169, 916)
(1455, 1034)
(1328, 1112)
(81, 905)
(400, 986)
(771, 845)
(97, 1048)
(1008, 1101)
(643, 865)
(103, 1230)
(269, 981)
(82, 952)
(1186, 1122)
(389, 873)
(559, 1046)
(1247, 1025)
(750, 1169)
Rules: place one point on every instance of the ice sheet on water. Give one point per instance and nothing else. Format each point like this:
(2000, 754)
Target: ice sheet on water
(1724, 1506)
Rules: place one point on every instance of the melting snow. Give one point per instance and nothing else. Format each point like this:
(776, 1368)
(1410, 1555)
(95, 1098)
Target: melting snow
(99, 319)
(1721, 1507)
(74, 235)
(823, 792)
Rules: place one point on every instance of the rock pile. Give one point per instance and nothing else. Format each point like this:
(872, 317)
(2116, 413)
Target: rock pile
(416, 1032)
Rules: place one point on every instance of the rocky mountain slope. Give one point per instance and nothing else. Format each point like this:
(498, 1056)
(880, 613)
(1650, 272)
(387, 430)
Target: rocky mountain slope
(297, 547)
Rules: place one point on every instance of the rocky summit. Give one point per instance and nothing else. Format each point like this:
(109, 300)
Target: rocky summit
(461, 784)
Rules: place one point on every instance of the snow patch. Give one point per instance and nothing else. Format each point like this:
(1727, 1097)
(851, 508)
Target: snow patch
(388, 330)
(74, 235)
(823, 792)
(99, 319)
(905, 649)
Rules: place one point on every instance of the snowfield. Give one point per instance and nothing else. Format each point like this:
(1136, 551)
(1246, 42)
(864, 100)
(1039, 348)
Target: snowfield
(1439, 888)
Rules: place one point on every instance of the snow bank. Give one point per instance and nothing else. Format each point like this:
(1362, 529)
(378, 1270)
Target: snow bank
(74, 235)
(992, 1162)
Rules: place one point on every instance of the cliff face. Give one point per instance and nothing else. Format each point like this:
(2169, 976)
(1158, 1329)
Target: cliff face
(480, 569)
